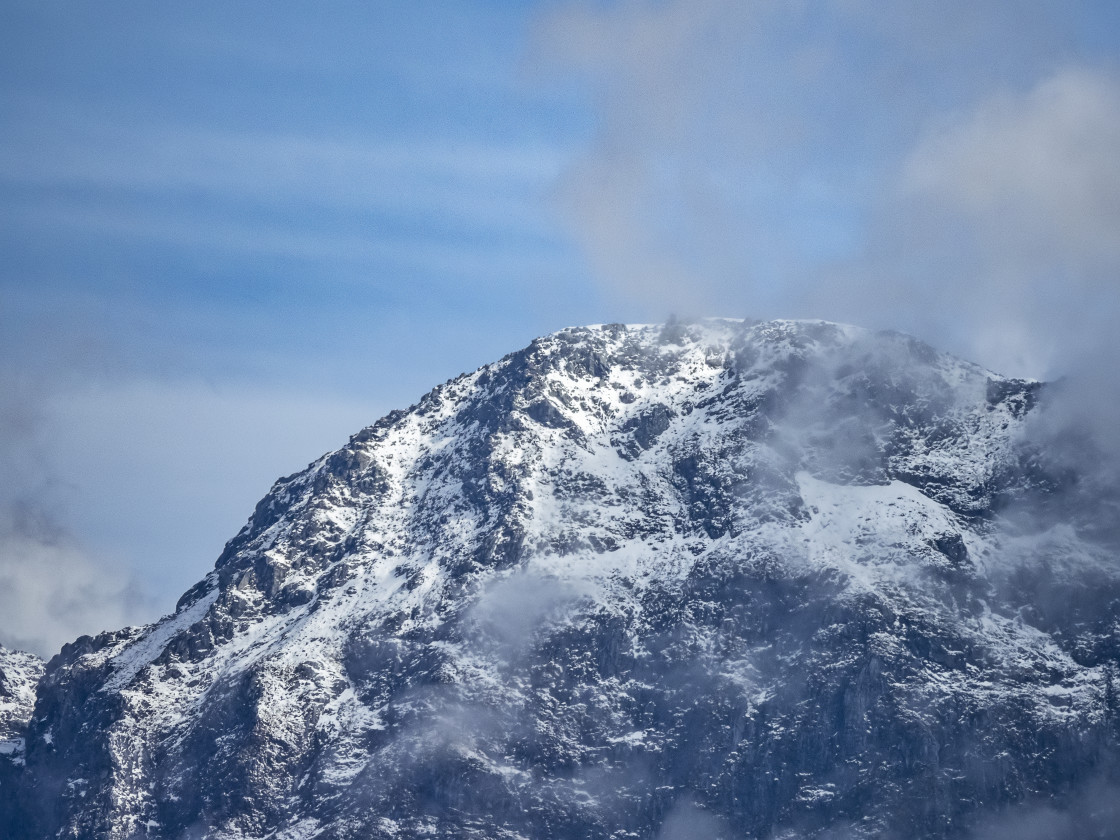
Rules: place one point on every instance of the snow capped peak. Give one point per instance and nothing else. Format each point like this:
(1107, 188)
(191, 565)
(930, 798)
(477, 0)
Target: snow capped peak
(497, 612)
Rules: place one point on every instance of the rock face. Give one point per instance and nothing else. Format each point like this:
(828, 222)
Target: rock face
(19, 675)
(726, 579)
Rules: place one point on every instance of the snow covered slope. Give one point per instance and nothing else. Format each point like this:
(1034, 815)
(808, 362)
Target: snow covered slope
(752, 579)
(19, 674)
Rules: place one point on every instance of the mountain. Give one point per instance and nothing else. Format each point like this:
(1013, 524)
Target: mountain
(722, 579)
(19, 675)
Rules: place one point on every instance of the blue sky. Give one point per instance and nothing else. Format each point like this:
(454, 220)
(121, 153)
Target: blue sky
(235, 233)
(239, 185)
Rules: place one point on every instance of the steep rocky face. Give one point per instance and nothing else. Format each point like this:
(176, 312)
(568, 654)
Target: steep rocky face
(19, 675)
(722, 579)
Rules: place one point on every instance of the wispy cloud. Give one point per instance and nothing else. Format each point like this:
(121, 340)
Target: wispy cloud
(1040, 169)
(58, 150)
(118, 495)
(946, 169)
(378, 246)
(319, 198)
(1015, 204)
(52, 591)
(743, 148)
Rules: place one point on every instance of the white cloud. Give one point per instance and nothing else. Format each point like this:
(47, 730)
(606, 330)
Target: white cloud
(51, 592)
(743, 146)
(855, 162)
(1039, 170)
(1006, 224)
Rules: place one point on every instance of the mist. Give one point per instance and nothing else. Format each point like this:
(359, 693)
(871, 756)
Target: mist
(121, 485)
(947, 170)
(1090, 810)
(53, 587)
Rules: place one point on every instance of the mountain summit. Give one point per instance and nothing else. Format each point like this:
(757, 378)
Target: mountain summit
(723, 579)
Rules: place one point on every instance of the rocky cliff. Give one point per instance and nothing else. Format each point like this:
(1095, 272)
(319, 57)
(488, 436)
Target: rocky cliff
(723, 579)
(19, 677)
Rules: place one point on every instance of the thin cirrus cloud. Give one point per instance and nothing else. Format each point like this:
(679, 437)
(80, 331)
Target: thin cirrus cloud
(401, 250)
(329, 171)
(471, 186)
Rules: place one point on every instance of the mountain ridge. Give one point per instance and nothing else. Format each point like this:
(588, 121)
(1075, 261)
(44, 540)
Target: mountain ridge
(746, 575)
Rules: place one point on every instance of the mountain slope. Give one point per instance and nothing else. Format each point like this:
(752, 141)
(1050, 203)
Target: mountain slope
(729, 578)
(19, 675)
